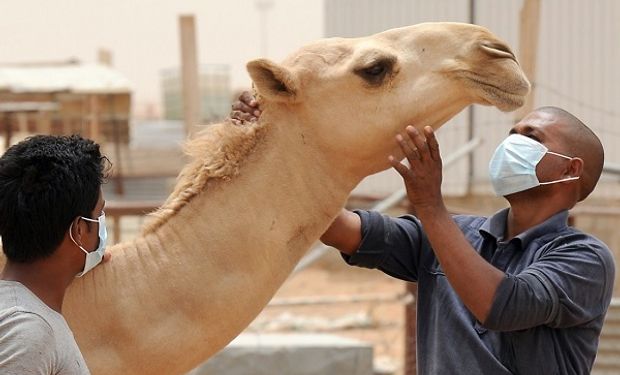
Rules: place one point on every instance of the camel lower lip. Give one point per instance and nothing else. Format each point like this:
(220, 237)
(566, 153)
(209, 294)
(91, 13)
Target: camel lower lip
(520, 93)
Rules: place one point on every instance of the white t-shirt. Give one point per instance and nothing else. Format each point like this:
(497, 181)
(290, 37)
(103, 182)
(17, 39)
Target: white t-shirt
(35, 339)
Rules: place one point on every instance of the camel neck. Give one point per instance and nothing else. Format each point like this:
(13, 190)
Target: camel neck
(244, 235)
(284, 179)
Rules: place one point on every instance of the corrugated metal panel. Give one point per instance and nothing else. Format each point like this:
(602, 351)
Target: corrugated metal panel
(577, 66)
(489, 123)
(577, 69)
(355, 18)
(608, 357)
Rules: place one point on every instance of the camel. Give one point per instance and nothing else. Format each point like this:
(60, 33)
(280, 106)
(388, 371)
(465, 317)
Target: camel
(254, 198)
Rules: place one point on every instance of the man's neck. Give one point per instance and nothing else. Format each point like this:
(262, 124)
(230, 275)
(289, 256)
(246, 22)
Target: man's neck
(527, 211)
(41, 279)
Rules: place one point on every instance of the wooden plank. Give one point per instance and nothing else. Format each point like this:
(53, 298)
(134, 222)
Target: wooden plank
(529, 25)
(411, 331)
(8, 128)
(22, 122)
(94, 131)
(189, 73)
(116, 210)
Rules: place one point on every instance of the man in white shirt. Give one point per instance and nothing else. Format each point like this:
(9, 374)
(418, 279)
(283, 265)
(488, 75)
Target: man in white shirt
(52, 226)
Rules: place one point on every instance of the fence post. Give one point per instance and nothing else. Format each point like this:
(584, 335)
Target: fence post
(411, 328)
(411, 331)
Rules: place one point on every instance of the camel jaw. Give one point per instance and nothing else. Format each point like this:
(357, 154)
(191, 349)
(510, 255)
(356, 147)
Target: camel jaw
(506, 98)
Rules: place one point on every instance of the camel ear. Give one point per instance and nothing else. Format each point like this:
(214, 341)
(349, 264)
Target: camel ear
(273, 81)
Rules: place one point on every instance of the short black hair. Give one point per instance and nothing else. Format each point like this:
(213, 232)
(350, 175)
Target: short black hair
(45, 183)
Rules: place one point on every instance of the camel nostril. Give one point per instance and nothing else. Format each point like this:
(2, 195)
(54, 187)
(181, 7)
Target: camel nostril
(497, 49)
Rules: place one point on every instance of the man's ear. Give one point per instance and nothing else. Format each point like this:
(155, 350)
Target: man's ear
(273, 81)
(75, 230)
(575, 168)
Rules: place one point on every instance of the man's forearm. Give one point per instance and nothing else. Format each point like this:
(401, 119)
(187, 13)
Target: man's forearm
(472, 277)
(345, 232)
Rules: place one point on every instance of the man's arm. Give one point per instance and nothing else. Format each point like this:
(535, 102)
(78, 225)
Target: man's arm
(474, 279)
(569, 285)
(26, 345)
(345, 232)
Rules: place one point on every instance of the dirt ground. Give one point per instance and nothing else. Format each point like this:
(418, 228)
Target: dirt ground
(379, 323)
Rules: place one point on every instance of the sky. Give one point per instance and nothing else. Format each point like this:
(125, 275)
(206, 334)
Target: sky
(143, 34)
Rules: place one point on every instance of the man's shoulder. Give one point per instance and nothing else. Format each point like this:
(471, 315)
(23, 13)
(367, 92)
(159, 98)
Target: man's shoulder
(14, 295)
(473, 222)
(25, 328)
(32, 339)
(571, 239)
(27, 343)
(19, 307)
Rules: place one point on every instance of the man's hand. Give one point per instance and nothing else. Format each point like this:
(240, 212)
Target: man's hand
(245, 109)
(424, 174)
(473, 278)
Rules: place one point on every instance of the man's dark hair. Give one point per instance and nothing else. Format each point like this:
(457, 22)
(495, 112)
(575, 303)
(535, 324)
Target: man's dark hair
(46, 182)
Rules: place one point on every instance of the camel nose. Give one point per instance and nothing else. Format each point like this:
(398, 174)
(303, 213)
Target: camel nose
(497, 49)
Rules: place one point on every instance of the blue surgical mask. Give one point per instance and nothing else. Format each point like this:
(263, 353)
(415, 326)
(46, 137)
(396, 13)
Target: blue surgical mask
(513, 166)
(95, 257)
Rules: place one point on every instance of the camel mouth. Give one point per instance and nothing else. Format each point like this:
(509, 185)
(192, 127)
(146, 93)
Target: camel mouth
(507, 98)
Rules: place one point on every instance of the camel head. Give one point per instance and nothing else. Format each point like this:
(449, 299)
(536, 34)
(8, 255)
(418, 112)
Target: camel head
(350, 97)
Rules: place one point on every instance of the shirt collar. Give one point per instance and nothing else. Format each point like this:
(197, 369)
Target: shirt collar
(495, 226)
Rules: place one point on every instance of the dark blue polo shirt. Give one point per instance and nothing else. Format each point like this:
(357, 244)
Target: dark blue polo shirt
(547, 313)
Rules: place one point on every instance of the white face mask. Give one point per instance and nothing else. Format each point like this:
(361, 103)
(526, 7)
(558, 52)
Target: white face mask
(513, 166)
(95, 257)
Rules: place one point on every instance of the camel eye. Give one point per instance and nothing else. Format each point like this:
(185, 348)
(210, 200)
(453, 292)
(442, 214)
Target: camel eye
(375, 73)
(375, 70)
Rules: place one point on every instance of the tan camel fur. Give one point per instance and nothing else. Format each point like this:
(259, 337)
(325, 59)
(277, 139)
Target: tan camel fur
(255, 198)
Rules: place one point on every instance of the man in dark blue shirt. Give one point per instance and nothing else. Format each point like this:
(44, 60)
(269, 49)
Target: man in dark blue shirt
(520, 292)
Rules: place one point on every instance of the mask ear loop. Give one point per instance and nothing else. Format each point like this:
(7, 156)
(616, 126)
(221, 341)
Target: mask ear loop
(563, 179)
(560, 155)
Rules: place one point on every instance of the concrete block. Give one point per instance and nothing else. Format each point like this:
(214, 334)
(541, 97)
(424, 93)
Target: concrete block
(290, 354)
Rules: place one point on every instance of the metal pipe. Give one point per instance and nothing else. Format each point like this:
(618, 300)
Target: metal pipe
(611, 168)
(388, 202)
(336, 300)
